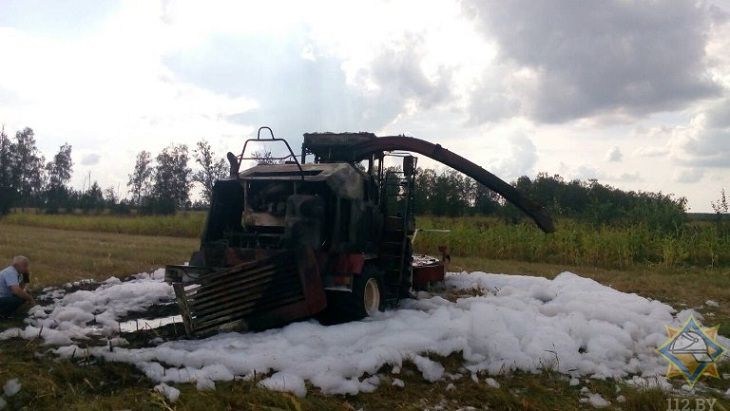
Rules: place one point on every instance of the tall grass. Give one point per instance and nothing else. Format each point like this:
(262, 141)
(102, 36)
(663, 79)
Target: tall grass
(574, 243)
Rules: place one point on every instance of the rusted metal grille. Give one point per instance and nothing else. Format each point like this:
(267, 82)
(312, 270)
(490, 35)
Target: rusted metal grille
(249, 296)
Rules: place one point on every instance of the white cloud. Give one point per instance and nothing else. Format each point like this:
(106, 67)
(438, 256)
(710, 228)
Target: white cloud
(688, 175)
(586, 172)
(397, 72)
(614, 155)
(521, 156)
(704, 141)
(628, 177)
(90, 159)
(646, 151)
(110, 91)
(590, 172)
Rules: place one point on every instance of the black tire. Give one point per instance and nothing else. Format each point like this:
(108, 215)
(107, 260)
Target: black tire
(345, 306)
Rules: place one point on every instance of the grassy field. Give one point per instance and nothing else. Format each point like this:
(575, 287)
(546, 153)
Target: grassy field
(183, 224)
(61, 256)
(697, 244)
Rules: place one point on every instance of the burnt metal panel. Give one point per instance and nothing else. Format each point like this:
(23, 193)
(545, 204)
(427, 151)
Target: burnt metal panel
(333, 146)
(226, 208)
(342, 178)
(264, 293)
(424, 275)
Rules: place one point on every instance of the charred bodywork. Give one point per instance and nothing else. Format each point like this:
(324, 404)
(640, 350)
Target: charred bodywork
(332, 237)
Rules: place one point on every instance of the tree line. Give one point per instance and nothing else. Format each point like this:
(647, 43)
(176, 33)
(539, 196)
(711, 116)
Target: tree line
(450, 193)
(161, 184)
(157, 185)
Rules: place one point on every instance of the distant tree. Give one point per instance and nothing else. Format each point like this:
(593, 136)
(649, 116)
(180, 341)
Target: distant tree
(7, 175)
(264, 157)
(720, 206)
(114, 203)
(721, 209)
(172, 179)
(110, 197)
(59, 173)
(123, 207)
(28, 164)
(139, 180)
(600, 204)
(60, 168)
(199, 205)
(450, 194)
(422, 197)
(71, 200)
(486, 201)
(210, 168)
(92, 199)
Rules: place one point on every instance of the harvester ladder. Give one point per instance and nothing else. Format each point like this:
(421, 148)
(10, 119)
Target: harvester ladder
(398, 194)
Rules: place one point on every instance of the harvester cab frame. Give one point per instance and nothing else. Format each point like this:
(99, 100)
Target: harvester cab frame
(289, 239)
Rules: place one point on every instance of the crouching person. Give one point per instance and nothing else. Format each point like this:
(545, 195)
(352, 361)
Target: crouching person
(13, 281)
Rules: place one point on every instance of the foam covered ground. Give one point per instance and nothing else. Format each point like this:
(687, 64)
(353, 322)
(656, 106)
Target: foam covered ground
(570, 324)
(82, 313)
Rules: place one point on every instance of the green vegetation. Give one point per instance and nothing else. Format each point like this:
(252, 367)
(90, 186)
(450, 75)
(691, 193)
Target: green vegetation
(183, 224)
(156, 186)
(574, 243)
(59, 256)
(450, 193)
(600, 204)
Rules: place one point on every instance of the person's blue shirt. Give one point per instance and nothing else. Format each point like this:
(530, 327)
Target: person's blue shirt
(8, 277)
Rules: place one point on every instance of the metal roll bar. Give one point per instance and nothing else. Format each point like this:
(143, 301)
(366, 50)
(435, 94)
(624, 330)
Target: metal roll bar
(272, 139)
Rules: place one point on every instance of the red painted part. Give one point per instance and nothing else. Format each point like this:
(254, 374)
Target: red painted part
(426, 274)
(311, 281)
(349, 263)
(343, 279)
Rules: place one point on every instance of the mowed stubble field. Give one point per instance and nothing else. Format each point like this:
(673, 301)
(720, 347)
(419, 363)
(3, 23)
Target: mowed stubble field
(72, 253)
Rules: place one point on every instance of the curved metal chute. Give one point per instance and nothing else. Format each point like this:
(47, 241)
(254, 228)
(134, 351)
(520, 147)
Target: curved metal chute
(459, 163)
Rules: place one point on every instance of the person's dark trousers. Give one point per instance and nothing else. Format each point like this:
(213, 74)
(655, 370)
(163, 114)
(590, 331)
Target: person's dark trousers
(8, 305)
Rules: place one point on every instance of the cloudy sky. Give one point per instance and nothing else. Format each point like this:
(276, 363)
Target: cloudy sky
(634, 93)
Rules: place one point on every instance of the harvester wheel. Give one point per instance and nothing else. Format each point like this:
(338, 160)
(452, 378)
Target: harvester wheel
(365, 300)
(371, 296)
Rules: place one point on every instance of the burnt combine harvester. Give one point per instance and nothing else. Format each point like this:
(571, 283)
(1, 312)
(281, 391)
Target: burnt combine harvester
(332, 237)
